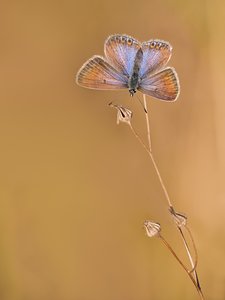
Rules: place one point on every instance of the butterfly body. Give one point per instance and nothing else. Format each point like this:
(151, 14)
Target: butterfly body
(134, 79)
(129, 64)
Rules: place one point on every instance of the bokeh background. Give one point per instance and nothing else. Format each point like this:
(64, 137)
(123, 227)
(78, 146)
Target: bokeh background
(75, 188)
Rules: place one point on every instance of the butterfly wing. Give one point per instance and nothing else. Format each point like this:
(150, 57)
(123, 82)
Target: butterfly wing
(120, 51)
(156, 54)
(96, 73)
(163, 85)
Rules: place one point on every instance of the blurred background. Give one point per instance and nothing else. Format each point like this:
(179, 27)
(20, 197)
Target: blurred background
(75, 187)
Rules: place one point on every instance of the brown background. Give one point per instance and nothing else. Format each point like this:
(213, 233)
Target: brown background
(75, 187)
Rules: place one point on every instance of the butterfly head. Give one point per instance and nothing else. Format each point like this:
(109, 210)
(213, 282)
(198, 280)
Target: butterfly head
(132, 92)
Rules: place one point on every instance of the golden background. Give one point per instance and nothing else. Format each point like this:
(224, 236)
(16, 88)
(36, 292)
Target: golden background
(75, 187)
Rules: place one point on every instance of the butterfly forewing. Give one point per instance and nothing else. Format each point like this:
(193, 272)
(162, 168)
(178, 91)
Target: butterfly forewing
(156, 54)
(163, 85)
(96, 73)
(120, 51)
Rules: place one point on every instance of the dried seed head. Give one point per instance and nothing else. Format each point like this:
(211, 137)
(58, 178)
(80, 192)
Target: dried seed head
(123, 114)
(152, 229)
(179, 219)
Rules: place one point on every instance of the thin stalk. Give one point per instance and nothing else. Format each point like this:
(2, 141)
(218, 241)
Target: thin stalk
(154, 164)
(147, 123)
(194, 246)
(193, 265)
(166, 193)
(181, 222)
(149, 151)
(183, 266)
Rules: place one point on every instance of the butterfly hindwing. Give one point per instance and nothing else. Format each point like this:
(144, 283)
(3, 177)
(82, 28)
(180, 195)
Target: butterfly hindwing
(120, 51)
(163, 85)
(97, 73)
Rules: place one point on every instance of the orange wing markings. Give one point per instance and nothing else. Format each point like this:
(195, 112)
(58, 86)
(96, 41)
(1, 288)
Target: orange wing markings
(97, 73)
(163, 85)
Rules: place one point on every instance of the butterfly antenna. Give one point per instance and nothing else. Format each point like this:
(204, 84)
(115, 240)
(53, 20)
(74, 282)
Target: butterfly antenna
(145, 110)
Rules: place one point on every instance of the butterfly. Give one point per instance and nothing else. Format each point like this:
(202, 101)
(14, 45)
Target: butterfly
(130, 64)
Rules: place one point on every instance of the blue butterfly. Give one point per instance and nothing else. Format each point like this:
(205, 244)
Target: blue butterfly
(129, 64)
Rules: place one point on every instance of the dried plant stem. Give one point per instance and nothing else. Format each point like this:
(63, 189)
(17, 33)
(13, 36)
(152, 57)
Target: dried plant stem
(189, 254)
(149, 151)
(168, 199)
(154, 164)
(194, 246)
(193, 264)
(183, 266)
(148, 125)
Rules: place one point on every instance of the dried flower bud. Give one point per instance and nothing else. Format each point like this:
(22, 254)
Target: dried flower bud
(179, 219)
(152, 229)
(123, 113)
